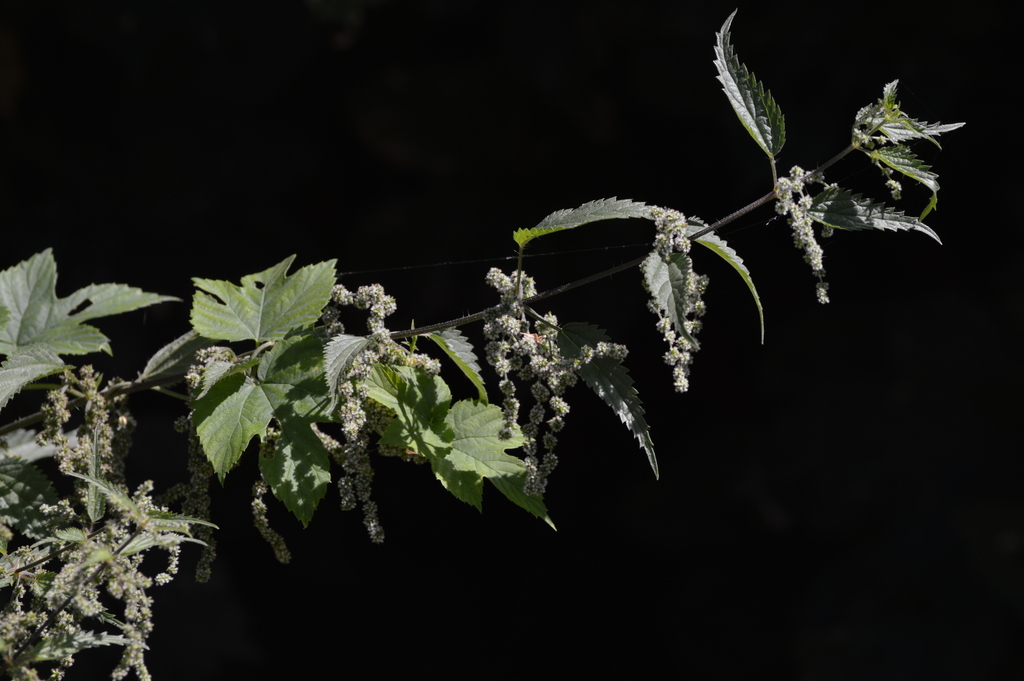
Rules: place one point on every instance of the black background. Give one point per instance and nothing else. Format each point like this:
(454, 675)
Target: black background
(842, 502)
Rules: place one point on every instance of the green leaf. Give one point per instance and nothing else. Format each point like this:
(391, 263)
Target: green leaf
(117, 495)
(339, 354)
(63, 644)
(839, 208)
(218, 369)
(23, 489)
(228, 417)
(476, 448)
(37, 316)
(906, 129)
(602, 209)
(756, 109)
(723, 250)
(666, 280)
(290, 387)
(461, 443)
(903, 160)
(175, 357)
(25, 365)
(420, 403)
(610, 380)
(268, 304)
(460, 350)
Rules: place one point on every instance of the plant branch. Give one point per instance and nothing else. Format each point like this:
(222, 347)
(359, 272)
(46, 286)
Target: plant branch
(109, 391)
(38, 633)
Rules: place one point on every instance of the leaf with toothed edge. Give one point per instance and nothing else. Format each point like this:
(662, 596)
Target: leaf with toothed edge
(840, 209)
(610, 380)
(602, 209)
(756, 109)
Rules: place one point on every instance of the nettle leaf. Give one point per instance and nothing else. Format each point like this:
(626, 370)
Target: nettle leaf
(339, 354)
(219, 369)
(268, 304)
(602, 209)
(23, 489)
(906, 129)
(839, 208)
(175, 357)
(63, 644)
(666, 280)
(290, 387)
(24, 366)
(718, 246)
(36, 316)
(610, 380)
(460, 350)
(903, 160)
(756, 109)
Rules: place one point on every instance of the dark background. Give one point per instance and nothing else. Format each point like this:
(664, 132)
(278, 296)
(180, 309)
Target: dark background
(842, 502)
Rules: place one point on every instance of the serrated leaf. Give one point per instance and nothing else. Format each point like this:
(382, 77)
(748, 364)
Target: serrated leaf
(906, 129)
(5, 316)
(726, 252)
(461, 443)
(903, 160)
(26, 365)
(594, 211)
(174, 358)
(610, 380)
(267, 306)
(72, 534)
(23, 490)
(218, 369)
(22, 443)
(290, 387)
(476, 448)
(666, 280)
(420, 403)
(839, 208)
(63, 644)
(460, 350)
(756, 109)
(38, 316)
(339, 354)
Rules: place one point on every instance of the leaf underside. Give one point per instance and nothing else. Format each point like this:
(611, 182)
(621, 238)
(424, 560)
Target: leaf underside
(718, 246)
(460, 350)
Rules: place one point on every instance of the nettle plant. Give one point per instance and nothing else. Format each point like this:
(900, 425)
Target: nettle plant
(319, 399)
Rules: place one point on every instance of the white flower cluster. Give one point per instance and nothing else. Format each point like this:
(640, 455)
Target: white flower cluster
(531, 356)
(671, 239)
(795, 205)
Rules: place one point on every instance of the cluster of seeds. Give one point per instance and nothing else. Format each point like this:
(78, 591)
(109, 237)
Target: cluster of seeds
(795, 205)
(671, 239)
(533, 356)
